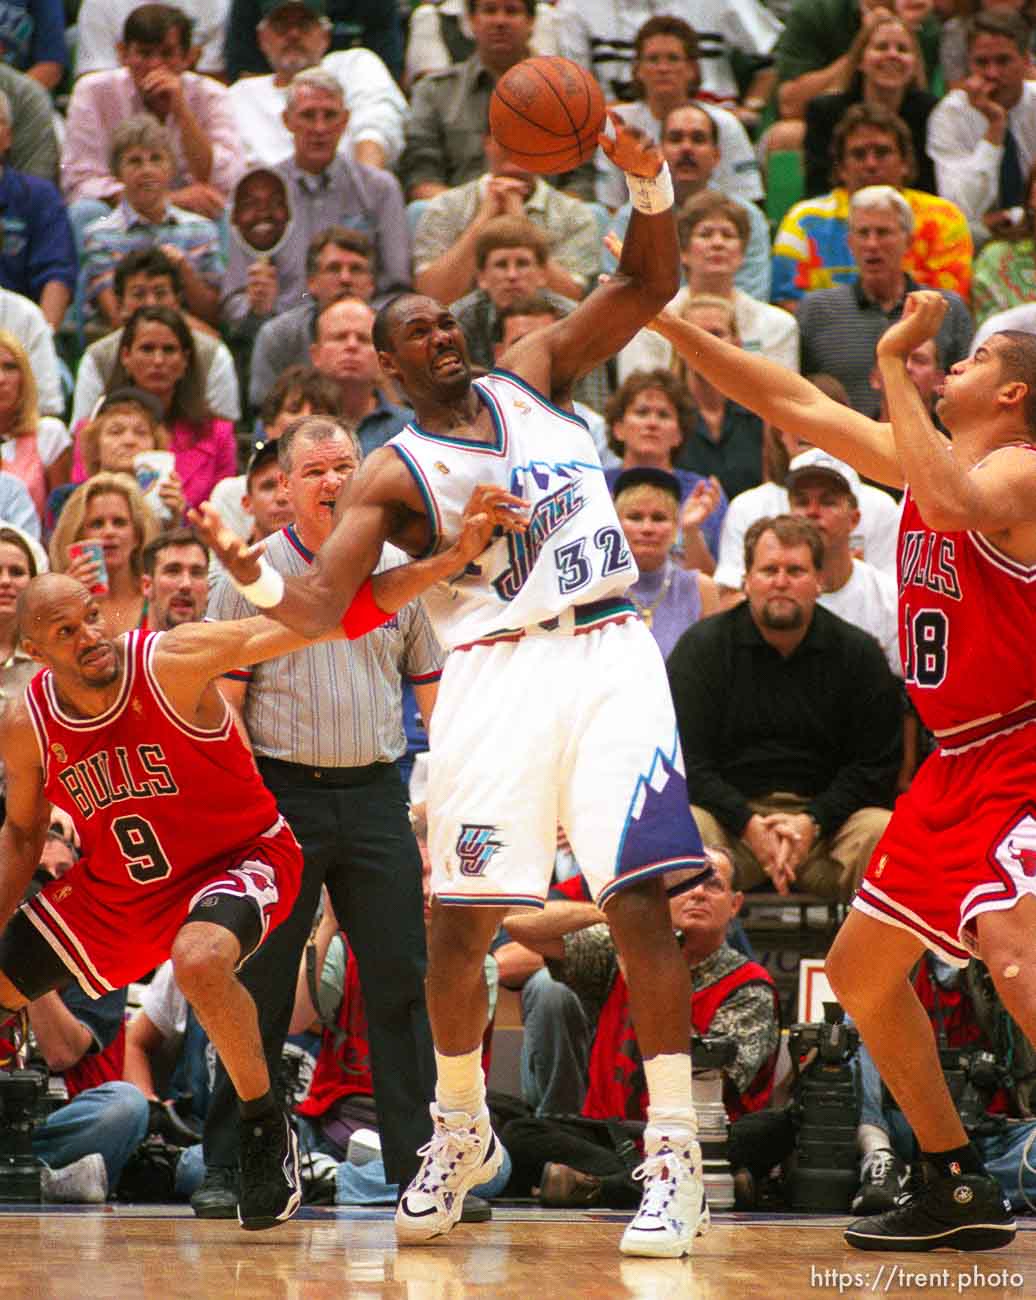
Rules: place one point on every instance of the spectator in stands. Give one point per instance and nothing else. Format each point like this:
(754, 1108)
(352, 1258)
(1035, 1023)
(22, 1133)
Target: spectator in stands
(732, 998)
(19, 564)
(34, 143)
(812, 53)
(650, 419)
(17, 509)
(714, 233)
(128, 421)
(148, 278)
(101, 28)
(326, 188)
(953, 38)
(255, 504)
(369, 24)
(110, 509)
(145, 218)
(1005, 269)
(884, 66)
(824, 491)
(439, 34)
(926, 374)
(343, 351)
(205, 151)
(693, 147)
(871, 146)
(601, 37)
(790, 723)
(22, 318)
(445, 136)
(36, 448)
(875, 540)
(668, 597)
(667, 76)
(840, 326)
(37, 256)
(339, 261)
(33, 40)
(294, 36)
(726, 439)
(175, 579)
(447, 232)
(260, 218)
(982, 137)
(157, 355)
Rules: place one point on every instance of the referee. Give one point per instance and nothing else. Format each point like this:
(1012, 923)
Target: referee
(326, 727)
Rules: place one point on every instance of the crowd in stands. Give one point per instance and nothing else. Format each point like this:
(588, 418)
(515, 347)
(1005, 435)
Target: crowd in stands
(204, 205)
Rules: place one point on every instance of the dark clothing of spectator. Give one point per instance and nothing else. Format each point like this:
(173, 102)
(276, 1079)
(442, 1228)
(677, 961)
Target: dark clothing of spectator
(824, 723)
(735, 458)
(37, 245)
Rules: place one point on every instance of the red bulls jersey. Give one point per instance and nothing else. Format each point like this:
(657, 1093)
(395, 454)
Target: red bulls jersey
(967, 628)
(151, 795)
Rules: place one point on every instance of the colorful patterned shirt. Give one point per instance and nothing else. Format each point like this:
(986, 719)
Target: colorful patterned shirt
(1005, 276)
(811, 248)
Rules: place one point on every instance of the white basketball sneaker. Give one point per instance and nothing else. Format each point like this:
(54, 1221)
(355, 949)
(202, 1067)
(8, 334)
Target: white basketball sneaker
(463, 1153)
(672, 1210)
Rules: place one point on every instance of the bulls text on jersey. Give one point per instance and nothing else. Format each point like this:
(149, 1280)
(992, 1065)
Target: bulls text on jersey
(929, 560)
(112, 776)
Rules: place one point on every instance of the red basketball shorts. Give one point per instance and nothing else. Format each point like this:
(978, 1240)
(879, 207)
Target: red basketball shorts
(961, 841)
(109, 934)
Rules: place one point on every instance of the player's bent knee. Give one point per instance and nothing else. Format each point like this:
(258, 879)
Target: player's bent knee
(203, 956)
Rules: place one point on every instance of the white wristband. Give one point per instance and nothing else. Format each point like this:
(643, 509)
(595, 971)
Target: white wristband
(268, 588)
(651, 194)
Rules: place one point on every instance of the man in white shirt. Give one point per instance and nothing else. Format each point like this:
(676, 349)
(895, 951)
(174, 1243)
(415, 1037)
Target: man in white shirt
(982, 138)
(22, 318)
(294, 35)
(874, 540)
(824, 490)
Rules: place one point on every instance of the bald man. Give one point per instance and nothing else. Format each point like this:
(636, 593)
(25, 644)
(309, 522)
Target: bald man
(184, 851)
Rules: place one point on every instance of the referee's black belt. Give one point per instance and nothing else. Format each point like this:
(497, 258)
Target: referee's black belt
(301, 774)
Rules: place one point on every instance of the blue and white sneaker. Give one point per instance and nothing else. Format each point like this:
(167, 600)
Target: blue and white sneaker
(463, 1153)
(672, 1210)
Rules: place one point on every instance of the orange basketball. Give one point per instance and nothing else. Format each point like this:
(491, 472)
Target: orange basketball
(547, 113)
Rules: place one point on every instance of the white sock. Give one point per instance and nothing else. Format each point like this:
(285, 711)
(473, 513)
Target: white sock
(869, 1137)
(669, 1093)
(461, 1084)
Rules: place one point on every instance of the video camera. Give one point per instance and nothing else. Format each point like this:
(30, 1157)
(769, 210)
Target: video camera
(709, 1057)
(826, 1109)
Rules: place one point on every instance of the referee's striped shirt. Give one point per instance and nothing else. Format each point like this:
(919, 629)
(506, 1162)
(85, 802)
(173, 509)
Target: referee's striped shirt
(339, 703)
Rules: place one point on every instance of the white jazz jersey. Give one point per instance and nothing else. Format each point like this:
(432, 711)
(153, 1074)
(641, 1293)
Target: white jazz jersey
(574, 551)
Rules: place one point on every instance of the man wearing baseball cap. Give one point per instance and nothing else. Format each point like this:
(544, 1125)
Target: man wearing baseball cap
(826, 491)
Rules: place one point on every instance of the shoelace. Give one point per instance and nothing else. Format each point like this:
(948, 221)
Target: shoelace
(880, 1166)
(444, 1151)
(660, 1174)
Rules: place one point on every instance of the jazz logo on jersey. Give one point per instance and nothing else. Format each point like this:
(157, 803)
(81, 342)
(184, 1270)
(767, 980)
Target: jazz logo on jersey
(523, 549)
(476, 846)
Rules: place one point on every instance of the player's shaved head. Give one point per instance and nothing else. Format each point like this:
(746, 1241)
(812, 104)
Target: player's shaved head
(41, 595)
(392, 313)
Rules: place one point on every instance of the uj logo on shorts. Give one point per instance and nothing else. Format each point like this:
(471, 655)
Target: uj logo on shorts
(475, 848)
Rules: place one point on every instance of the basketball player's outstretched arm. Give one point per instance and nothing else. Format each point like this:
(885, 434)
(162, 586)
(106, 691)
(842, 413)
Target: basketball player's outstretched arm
(647, 277)
(380, 504)
(786, 399)
(28, 810)
(998, 495)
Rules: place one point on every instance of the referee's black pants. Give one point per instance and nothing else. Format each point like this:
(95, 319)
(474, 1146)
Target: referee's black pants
(356, 839)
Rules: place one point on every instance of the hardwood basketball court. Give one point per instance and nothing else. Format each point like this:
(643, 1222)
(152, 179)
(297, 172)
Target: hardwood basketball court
(116, 1252)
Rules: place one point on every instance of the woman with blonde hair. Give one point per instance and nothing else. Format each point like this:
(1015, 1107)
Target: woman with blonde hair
(110, 509)
(884, 66)
(35, 448)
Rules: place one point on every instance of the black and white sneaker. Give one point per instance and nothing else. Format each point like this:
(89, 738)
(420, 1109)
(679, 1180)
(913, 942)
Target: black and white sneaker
(271, 1189)
(940, 1212)
(883, 1179)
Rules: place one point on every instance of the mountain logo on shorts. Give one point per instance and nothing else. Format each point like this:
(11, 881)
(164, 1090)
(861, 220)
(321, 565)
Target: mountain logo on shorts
(475, 848)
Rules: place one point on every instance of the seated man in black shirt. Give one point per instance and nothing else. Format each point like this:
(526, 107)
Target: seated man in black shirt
(790, 722)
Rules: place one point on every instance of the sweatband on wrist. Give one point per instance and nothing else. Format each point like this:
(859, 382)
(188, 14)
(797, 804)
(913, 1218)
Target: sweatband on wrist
(651, 194)
(364, 613)
(268, 588)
